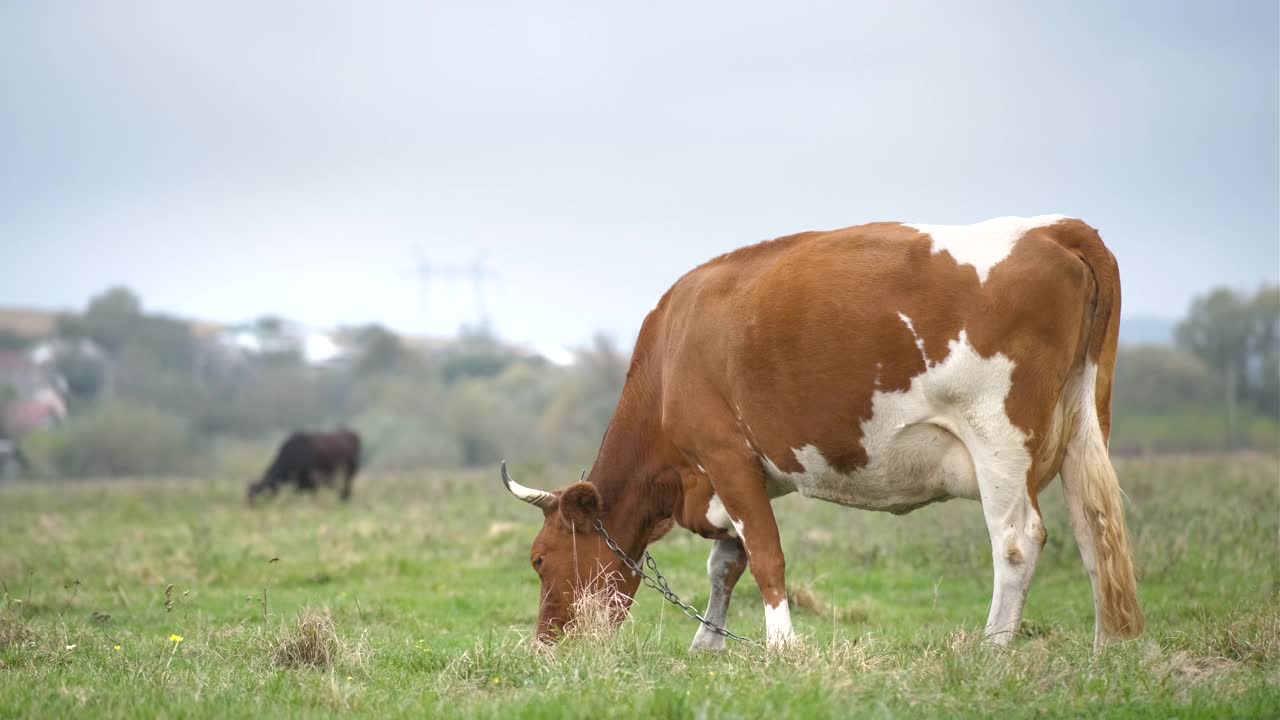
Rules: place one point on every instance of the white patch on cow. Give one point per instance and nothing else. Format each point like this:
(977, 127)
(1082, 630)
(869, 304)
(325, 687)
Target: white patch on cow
(718, 516)
(777, 624)
(702, 469)
(929, 442)
(983, 245)
(919, 343)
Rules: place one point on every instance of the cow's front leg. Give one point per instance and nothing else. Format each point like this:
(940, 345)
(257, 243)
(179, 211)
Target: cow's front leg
(725, 565)
(348, 477)
(740, 489)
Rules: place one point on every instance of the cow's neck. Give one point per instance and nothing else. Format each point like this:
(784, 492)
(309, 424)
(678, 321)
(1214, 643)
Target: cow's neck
(634, 469)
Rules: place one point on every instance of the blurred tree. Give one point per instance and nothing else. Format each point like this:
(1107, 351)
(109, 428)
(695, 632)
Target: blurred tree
(1155, 378)
(1265, 311)
(7, 396)
(380, 351)
(482, 422)
(1217, 329)
(470, 363)
(114, 320)
(112, 440)
(10, 340)
(86, 374)
(576, 417)
(1236, 337)
(111, 318)
(271, 325)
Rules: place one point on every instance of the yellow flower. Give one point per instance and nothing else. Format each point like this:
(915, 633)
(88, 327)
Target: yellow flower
(348, 677)
(117, 647)
(496, 681)
(711, 674)
(175, 638)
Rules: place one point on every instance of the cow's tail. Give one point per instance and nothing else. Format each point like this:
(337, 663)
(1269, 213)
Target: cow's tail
(1090, 483)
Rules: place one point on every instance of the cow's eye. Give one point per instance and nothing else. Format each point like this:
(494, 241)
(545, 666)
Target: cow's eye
(537, 562)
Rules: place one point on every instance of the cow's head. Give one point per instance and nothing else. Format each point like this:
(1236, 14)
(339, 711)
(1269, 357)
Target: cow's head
(571, 557)
(256, 488)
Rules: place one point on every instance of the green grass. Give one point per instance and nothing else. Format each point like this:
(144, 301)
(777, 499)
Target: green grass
(414, 601)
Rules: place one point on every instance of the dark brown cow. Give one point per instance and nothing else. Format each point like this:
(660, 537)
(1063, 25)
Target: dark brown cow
(883, 367)
(308, 458)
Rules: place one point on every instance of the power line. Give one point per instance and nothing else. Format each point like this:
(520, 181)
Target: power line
(476, 272)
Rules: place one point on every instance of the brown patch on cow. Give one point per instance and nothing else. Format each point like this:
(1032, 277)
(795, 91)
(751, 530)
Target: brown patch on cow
(1041, 535)
(1012, 553)
(869, 348)
(690, 512)
(660, 530)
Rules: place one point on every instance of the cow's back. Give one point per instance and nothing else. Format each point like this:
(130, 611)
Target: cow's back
(341, 447)
(801, 340)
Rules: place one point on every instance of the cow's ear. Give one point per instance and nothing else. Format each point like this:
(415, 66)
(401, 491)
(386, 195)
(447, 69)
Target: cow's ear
(580, 506)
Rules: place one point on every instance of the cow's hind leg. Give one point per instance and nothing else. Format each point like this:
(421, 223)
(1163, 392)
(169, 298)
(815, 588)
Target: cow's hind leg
(725, 565)
(1017, 536)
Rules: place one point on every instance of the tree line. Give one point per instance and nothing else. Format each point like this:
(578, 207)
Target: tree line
(1217, 387)
(156, 397)
(160, 398)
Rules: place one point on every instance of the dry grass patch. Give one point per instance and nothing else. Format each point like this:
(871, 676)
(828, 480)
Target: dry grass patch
(598, 611)
(1249, 637)
(1253, 640)
(803, 597)
(312, 640)
(14, 632)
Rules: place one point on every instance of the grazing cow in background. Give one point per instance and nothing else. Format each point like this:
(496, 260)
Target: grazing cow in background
(884, 367)
(307, 458)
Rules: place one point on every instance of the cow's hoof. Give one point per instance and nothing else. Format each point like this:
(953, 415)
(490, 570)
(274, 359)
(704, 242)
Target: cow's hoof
(707, 641)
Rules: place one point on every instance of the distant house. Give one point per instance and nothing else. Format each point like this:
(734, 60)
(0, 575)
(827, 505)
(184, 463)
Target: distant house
(31, 395)
(46, 352)
(317, 348)
(18, 373)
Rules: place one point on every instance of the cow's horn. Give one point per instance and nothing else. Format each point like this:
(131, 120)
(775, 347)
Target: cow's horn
(541, 498)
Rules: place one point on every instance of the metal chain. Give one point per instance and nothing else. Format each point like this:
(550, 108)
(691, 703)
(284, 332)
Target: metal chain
(659, 583)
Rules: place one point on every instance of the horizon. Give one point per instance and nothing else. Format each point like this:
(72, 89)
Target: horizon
(1135, 329)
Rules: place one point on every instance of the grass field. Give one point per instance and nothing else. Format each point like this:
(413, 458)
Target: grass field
(414, 601)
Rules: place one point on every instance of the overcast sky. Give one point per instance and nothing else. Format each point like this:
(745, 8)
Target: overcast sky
(228, 159)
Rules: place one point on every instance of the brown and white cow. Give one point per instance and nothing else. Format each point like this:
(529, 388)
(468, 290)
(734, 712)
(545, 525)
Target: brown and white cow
(884, 367)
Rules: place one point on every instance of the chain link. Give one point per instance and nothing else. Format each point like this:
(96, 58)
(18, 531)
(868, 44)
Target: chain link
(659, 583)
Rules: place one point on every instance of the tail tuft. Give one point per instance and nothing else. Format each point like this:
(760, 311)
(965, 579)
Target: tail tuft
(1097, 510)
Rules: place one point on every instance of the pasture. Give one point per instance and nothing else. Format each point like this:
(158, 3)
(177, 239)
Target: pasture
(171, 598)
